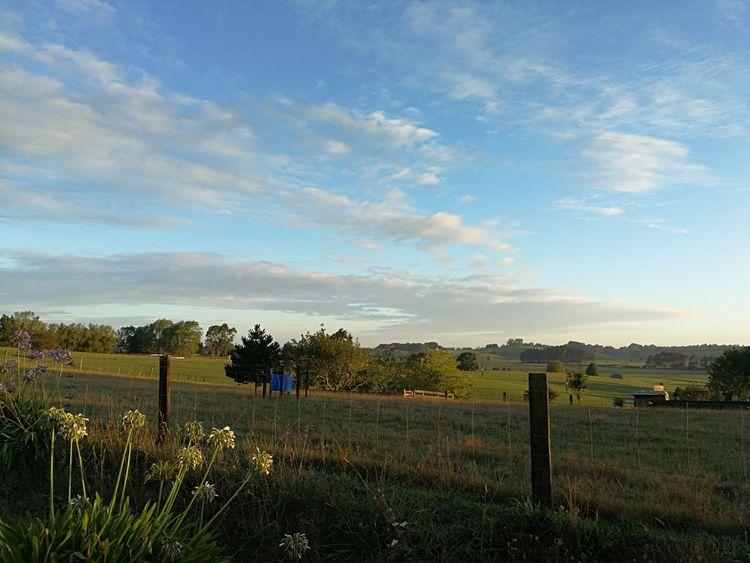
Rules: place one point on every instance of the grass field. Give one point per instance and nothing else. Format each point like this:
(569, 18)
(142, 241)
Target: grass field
(680, 473)
(500, 375)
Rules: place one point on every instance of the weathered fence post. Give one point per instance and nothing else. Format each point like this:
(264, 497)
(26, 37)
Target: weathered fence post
(165, 376)
(307, 381)
(299, 382)
(541, 456)
(264, 382)
(270, 383)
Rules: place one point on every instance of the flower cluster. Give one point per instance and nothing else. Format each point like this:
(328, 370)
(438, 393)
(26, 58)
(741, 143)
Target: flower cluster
(133, 420)
(295, 545)
(21, 339)
(222, 438)
(191, 457)
(172, 549)
(194, 432)
(262, 461)
(37, 371)
(205, 492)
(37, 355)
(161, 471)
(72, 427)
(60, 356)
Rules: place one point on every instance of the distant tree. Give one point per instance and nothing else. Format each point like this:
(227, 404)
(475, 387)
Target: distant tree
(552, 394)
(220, 340)
(729, 374)
(161, 333)
(671, 360)
(253, 358)
(693, 393)
(337, 362)
(467, 361)
(592, 369)
(555, 366)
(437, 370)
(183, 338)
(618, 402)
(577, 382)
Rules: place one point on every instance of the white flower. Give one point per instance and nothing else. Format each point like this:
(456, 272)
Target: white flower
(172, 549)
(133, 419)
(262, 461)
(73, 426)
(194, 432)
(77, 501)
(190, 457)
(205, 492)
(222, 438)
(295, 545)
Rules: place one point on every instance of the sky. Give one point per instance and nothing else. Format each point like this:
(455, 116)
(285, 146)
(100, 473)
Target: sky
(464, 172)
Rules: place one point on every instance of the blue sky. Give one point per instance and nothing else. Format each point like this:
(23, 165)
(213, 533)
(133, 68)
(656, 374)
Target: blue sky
(456, 171)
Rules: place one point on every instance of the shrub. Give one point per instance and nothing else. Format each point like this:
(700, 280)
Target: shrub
(555, 366)
(618, 402)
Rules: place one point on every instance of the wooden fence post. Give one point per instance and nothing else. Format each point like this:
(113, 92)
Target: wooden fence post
(270, 383)
(299, 381)
(264, 381)
(165, 376)
(541, 455)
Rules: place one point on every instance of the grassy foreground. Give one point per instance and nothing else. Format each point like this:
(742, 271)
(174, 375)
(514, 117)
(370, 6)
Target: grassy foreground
(373, 478)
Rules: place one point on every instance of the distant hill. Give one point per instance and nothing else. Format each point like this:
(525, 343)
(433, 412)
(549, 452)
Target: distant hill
(572, 352)
(405, 348)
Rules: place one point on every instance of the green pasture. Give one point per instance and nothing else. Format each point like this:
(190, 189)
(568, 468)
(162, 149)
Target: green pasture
(500, 375)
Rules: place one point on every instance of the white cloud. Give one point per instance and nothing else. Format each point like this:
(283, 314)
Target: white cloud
(466, 198)
(640, 163)
(583, 207)
(392, 219)
(401, 304)
(337, 148)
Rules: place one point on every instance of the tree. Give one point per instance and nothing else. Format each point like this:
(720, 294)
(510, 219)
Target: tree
(467, 361)
(220, 340)
(576, 382)
(437, 370)
(336, 361)
(592, 369)
(693, 393)
(183, 338)
(555, 366)
(253, 357)
(729, 374)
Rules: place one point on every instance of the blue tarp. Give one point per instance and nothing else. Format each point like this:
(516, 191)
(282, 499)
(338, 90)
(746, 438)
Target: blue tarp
(278, 380)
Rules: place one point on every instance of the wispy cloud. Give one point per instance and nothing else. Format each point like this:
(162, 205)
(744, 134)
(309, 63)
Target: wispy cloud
(578, 206)
(639, 163)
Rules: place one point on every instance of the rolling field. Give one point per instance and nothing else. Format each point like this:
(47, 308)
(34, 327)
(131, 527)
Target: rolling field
(501, 375)
(675, 482)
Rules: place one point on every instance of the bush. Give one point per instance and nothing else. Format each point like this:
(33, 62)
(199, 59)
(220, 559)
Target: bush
(618, 402)
(555, 366)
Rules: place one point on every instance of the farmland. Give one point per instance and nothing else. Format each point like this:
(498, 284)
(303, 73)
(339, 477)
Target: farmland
(500, 375)
(677, 472)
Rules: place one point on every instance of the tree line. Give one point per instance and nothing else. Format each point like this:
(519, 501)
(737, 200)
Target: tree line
(336, 362)
(46, 336)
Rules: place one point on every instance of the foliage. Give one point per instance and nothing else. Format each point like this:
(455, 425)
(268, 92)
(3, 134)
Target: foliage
(672, 360)
(592, 369)
(618, 402)
(693, 393)
(254, 357)
(564, 353)
(467, 361)
(337, 362)
(555, 366)
(220, 340)
(576, 382)
(74, 336)
(729, 374)
(436, 370)
(162, 336)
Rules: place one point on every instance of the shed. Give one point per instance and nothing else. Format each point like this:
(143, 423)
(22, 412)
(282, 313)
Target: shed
(649, 397)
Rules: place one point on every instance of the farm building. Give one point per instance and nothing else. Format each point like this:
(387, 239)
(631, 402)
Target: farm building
(647, 397)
